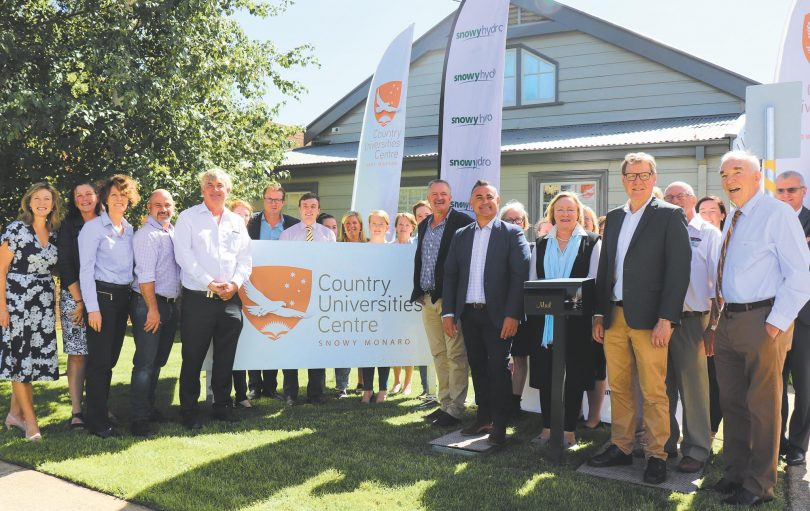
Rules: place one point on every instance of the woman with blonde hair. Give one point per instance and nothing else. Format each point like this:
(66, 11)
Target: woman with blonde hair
(240, 385)
(28, 255)
(351, 231)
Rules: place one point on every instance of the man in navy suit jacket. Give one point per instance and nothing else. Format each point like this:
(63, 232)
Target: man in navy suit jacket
(486, 267)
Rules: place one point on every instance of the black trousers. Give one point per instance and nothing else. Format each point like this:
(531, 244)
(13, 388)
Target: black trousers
(488, 356)
(715, 413)
(265, 381)
(797, 363)
(206, 320)
(240, 385)
(368, 377)
(103, 349)
(315, 385)
(573, 390)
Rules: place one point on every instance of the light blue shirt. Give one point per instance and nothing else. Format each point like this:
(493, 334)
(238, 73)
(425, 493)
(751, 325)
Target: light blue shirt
(268, 232)
(626, 233)
(298, 232)
(104, 255)
(478, 260)
(767, 257)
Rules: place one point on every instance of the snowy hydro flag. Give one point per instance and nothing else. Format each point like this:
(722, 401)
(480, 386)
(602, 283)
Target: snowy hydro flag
(794, 66)
(379, 157)
(472, 98)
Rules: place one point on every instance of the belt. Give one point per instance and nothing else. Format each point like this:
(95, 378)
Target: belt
(745, 307)
(618, 303)
(693, 314)
(112, 287)
(166, 299)
(476, 305)
(206, 294)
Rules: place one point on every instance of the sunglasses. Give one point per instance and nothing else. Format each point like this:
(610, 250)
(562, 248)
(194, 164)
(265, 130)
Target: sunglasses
(792, 189)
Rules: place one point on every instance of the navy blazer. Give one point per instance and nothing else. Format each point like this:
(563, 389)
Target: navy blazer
(656, 267)
(804, 218)
(505, 271)
(254, 225)
(455, 220)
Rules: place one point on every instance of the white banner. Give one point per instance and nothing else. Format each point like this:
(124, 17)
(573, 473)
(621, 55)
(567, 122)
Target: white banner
(794, 66)
(310, 305)
(379, 156)
(472, 98)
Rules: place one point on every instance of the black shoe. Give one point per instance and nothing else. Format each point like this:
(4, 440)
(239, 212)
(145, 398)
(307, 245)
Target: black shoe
(446, 420)
(656, 471)
(784, 445)
(671, 455)
(726, 487)
(315, 400)
(272, 394)
(289, 401)
(254, 394)
(743, 497)
(435, 414)
(477, 428)
(191, 421)
(106, 433)
(794, 456)
(610, 457)
(224, 414)
(142, 428)
(156, 416)
(497, 436)
(342, 394)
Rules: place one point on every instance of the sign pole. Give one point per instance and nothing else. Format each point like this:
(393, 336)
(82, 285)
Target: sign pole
(769, 165)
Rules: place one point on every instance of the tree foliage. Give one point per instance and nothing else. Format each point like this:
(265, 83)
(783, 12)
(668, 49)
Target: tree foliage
(157, 89)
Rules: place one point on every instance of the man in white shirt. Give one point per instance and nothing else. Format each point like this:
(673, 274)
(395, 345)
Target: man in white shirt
(212, 247)
(763, 280)
(687, 371)
(309, 207)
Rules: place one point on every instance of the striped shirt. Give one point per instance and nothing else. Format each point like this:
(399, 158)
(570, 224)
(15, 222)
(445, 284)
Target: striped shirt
(430, 254)
(478, 260)
(154, 259)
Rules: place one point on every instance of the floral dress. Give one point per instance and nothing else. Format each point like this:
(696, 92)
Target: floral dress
(28, 346)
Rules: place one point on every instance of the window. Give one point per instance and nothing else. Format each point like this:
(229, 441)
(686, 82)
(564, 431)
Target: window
(529, 78)
(410, 195)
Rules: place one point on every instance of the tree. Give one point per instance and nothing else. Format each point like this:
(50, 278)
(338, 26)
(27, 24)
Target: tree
(157, 89)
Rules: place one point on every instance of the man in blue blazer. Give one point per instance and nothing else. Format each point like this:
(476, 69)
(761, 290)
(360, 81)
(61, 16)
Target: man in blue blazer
(486, 267)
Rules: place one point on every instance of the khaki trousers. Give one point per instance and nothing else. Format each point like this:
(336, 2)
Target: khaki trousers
(749, 374)
(449, 357)
(688, 376)
(629, 352)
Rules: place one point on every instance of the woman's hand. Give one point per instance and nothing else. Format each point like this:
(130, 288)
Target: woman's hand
(4, 319)
(78, 314)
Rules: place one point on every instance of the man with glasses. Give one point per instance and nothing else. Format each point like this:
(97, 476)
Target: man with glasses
(268, 225)
(641, 284)
(790, 189)
(687, 371)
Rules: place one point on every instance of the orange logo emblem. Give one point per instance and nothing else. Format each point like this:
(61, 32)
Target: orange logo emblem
(806, 37)
(276, 298)
(386, 101)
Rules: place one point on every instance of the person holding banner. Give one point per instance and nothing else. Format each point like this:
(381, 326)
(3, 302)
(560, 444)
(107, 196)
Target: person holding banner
(351, 231)
(212, 247)
(486, 266)
(309, 206)
(449, 354)
(404, 225)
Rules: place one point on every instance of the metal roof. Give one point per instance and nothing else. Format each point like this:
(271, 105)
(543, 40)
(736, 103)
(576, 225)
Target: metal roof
(626, 133)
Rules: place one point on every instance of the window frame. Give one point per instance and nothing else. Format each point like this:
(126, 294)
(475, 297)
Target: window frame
(519, 49)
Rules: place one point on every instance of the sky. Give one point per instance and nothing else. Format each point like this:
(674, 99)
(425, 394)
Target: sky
(349, 36)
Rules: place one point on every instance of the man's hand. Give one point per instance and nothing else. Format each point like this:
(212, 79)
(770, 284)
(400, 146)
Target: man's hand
(94, 320)
(708, 342)
(449, 325)
(152, 324)
(509, 328)
(228, 290)
(661, 333)
(598, 330)
(218, 288)
(772, 331)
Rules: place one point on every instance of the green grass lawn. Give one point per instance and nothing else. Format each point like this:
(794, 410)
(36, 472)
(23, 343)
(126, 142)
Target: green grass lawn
(341, 455)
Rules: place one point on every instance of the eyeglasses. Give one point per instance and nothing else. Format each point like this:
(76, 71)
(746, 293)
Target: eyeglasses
(644, 176)
(792, 189)
(680, 196)
(516, 220)
(273, 201)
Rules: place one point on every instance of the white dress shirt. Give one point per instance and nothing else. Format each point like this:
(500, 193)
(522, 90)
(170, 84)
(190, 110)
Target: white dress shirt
(208, 252)
(767, 257)
(629, 225)
(478, 260)
(706, 241)
(593, 264)
(298, 232)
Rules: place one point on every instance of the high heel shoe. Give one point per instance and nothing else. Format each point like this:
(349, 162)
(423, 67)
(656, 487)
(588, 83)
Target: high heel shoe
(36, 437)
(14, 422)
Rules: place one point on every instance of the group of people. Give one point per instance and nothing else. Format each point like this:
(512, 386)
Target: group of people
(690, 305)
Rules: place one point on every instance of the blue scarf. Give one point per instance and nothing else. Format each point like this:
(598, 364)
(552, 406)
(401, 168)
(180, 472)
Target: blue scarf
(558, 266)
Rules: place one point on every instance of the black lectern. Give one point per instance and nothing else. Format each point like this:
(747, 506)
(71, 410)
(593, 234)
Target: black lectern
(559, 298)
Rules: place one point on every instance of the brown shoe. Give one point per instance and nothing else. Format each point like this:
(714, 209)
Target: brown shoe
(690, 465)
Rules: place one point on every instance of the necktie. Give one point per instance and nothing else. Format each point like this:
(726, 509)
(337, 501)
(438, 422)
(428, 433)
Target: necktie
(722, 261)
(310, 237)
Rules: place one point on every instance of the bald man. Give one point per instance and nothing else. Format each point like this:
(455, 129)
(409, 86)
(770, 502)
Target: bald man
(153, 308)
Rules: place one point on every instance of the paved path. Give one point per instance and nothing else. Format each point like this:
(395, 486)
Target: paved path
(30, 490)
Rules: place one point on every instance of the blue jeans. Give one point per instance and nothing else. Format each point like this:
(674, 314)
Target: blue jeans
(151, 353)
(342, 378)
(424, 377)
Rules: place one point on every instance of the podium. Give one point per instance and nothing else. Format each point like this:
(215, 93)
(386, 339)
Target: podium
(560, 298)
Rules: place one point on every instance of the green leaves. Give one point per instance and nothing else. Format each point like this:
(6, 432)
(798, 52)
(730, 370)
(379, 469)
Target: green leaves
(159, 90)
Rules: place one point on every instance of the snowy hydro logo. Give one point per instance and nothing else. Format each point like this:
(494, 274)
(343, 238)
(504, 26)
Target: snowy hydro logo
(475, 76)
(471, 120)
(470, 164)
(482, 31)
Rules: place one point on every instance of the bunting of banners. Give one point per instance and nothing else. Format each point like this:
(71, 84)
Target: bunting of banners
(309, 305)
(472, 98)
(379, 156)
(794, 66)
